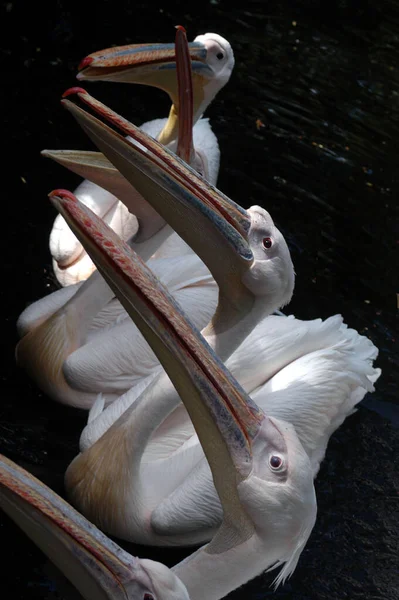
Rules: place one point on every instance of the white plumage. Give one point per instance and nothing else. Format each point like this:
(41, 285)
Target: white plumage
(104, 352)
(311, 374)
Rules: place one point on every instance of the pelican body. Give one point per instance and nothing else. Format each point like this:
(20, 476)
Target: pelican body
(261, 472)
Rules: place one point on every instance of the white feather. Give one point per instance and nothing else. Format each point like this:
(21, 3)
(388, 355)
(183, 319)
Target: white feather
(309, 373)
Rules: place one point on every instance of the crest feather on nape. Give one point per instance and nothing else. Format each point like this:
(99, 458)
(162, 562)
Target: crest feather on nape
(290, 561)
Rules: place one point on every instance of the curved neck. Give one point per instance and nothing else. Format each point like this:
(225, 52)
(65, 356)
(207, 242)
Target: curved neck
(231, 324)
(211, 575)
(203, 96)
(170, 130)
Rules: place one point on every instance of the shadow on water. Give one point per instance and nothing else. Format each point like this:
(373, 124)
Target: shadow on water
(308, 127)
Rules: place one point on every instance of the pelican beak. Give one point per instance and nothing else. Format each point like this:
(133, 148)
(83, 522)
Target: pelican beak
(98, 169)
(213, 225)
(226, 419)
(147, 64)
(94, 564)
(185, 146)
(95, 167)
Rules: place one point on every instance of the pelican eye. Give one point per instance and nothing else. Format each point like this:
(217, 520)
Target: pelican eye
(148, 597)
(267, 243)
(220, 55)
(276, 462)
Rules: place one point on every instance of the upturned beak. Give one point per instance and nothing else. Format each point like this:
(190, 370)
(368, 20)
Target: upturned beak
(213, 225)
(225, 417)
(95, 565)
(185, 146)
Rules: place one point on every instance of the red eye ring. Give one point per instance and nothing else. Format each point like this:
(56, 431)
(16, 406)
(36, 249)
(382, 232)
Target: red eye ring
(267, 243)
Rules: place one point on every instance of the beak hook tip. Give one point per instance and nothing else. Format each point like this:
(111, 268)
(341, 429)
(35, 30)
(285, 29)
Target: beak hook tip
(73, 90)
(85, 62)
(62, 195)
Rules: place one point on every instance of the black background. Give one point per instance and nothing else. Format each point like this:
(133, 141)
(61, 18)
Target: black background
(323, 80)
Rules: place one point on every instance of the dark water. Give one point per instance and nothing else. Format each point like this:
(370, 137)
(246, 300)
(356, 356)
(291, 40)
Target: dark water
(324, 84)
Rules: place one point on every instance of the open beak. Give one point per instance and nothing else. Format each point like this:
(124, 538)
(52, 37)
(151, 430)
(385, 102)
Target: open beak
(224, 416)
(213, 225)
(95, 167)
(147, 64)
(185, 146)
(154, 65)
(94, 564)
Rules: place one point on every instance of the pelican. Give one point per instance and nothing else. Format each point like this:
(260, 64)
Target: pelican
(169, 444)
(261, 472)
(54, 350)
(60, 324)
(154, 65)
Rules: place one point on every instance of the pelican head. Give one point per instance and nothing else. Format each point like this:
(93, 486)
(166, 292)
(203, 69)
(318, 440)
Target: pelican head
(272, 272)
(94, 564)
(155, 65)
(281, 498)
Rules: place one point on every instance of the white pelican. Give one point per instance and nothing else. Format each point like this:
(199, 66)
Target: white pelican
(61, 323)
(311, 373)
(55, 347)
(261, 472)
(154, 65)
